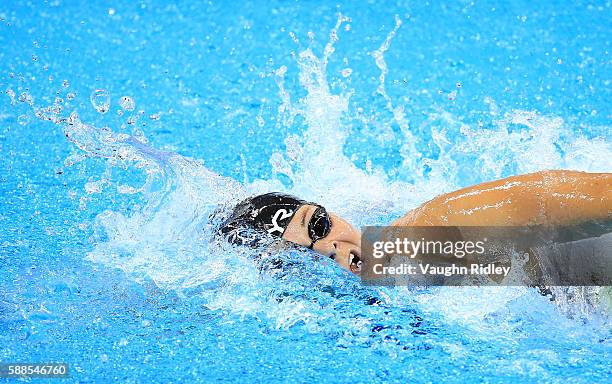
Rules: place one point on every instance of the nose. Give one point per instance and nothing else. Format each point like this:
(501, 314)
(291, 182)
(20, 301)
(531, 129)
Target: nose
(343, 232)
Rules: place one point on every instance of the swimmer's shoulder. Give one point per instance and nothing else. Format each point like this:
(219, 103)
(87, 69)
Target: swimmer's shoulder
(458, 207)
(514, 200)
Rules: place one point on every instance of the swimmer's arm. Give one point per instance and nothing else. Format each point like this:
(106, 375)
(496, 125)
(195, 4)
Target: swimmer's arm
(546, 197)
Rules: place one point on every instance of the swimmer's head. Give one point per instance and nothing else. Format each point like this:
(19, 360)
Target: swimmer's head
(297, 221)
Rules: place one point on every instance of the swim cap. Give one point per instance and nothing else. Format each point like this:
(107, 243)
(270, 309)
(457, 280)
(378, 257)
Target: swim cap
(269, 213)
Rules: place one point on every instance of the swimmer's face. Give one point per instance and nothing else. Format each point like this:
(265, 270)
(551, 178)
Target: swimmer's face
(342, 243)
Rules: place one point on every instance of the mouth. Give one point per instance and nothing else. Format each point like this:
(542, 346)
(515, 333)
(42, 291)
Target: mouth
(354, 260)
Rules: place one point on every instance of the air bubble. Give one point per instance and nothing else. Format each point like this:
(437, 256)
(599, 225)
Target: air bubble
(100, 99)
(155, 116)
(70, 95)
(23, 120)
(346, 72)
(127, 103)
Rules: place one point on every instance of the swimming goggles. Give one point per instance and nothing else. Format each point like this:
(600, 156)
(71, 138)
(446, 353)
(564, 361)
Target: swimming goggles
(319, 225)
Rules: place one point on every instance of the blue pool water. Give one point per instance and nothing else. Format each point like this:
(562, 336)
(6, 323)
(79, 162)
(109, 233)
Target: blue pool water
(124, 125)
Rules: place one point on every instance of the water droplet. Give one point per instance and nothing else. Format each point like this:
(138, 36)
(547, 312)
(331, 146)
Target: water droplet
(70, 95)
(111, 11)
(23, 119)
(155, 116)
(26, 98)
(458, 85)
(127, 103)
(346, 72)
(65, 83)
(11, 94)
(34, 58)
(100, 99)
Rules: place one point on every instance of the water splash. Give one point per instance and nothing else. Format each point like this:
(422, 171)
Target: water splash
(323, 144)
(166, 241)
(520, 142)
(379, 58)
(408, 148)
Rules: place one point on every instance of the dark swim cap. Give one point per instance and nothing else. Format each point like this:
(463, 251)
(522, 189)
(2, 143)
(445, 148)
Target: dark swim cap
(263, 214)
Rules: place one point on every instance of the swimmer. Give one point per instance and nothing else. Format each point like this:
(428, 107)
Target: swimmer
(547, 197)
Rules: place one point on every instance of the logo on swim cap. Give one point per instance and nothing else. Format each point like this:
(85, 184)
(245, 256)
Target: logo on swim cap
(269, 213)
(281, 214)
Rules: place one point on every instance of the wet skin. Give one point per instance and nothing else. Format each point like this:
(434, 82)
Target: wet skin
(545, 197)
